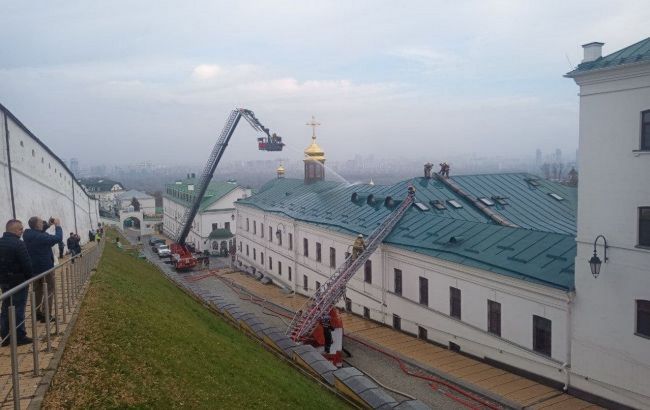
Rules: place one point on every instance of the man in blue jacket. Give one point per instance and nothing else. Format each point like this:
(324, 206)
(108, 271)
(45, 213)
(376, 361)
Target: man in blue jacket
(15, 268)
(39, 245)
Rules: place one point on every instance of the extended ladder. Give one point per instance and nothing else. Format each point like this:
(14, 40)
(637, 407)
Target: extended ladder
(329, 293)
(208, 171)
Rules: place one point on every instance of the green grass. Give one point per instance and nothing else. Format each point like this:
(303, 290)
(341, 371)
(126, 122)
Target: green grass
(141, 342)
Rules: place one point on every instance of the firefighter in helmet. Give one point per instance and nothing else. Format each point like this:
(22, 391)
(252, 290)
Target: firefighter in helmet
(358, 246)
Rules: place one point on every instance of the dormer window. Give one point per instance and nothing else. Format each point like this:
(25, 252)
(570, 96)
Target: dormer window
(645, 130)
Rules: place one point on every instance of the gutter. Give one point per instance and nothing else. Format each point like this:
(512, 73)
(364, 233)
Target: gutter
(566, 366)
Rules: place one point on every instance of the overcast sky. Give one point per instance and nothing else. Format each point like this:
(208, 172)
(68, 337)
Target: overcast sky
(126, 81)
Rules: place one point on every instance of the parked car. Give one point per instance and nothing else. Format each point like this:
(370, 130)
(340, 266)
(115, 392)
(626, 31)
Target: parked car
(153, 241)
(163, 251)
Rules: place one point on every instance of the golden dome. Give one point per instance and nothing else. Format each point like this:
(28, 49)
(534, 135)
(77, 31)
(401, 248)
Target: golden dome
(314, 151)
(280, 169)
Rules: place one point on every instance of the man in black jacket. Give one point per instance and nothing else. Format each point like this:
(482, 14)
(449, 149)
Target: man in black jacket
(39, 245)
(15, 268)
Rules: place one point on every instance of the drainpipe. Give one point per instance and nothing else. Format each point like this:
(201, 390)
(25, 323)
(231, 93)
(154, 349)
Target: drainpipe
(11, 180)
(74, 207)
(566, 366)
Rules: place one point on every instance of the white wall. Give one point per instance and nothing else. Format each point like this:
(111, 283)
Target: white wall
(42, 185)
(519, 300)
(608, 359)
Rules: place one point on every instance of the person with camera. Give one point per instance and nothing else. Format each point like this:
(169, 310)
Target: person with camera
(15, 268)
(39, 246)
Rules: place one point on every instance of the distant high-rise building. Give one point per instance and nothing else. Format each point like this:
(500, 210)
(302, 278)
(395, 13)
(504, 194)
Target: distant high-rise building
(558, 155)
(538, 157)
(74, 165)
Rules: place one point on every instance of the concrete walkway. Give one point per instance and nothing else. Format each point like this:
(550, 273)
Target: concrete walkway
(505, 387)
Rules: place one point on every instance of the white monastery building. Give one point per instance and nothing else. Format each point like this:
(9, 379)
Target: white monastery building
(105, 190)
(214, 225)
(610, 343)
(146, 201)
(495, 266)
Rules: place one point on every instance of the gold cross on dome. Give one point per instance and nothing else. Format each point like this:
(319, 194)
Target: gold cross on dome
(313, 124)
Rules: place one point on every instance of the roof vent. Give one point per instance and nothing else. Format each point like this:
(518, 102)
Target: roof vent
(454, 203)
(456, 239)
(357, 197)
(438, 204)
(487, 201)
(534, 182)
(421, 206)
(592, 51)
(556, 196)
(388, 202)
(501, 200)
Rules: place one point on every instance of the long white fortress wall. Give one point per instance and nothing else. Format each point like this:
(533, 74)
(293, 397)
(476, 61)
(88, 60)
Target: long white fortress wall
(35, 182)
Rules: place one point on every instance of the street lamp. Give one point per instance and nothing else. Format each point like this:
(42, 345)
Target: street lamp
(595, 262)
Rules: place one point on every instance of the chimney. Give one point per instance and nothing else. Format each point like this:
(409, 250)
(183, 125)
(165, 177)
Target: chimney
(592, 51)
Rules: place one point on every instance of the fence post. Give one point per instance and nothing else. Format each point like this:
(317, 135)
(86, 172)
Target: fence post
(46, 304)
(37, 366)
(14, 356)
(56, 305)
(63, 271)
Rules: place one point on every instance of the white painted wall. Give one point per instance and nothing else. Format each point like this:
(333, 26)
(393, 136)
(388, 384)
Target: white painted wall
(614, 182)
(519, 300)
(42, 185)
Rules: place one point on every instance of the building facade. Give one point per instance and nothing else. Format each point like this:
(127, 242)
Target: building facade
(146, 201)
(447, 273)
(610, 351)
(216, 212)
(105, 190)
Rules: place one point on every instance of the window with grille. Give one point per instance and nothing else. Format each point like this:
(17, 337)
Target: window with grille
(541, 335)
(305, 247)
(270, 234)
(279, 268)
(424, 291)
(644, 226)
(645, 130)
(397, 322)
(319, 256)
(332, 257)
(262, 230)
(305, 282)
(366, 312)
(290, 241)
(367, 271)
(643, 318)
(422, 333)
(494, 317)
(454, 302)
(289, 272)
(398, 281)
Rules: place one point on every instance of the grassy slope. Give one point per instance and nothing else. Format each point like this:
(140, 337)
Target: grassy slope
(139, 341)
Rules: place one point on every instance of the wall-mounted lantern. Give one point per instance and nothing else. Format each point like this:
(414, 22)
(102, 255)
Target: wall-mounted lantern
(595, 262)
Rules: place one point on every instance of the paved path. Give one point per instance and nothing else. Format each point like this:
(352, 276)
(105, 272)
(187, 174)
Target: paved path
(471, 373)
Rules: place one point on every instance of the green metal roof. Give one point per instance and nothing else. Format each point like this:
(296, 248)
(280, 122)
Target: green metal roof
(180, 193)
(542, 250)
(221, 233)
(636, 53)
(529, 203)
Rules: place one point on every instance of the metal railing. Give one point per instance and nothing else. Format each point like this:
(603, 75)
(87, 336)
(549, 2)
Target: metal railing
(66, 285)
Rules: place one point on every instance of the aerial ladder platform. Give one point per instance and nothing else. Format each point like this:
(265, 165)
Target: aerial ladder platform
(322, 302)
(182, 256)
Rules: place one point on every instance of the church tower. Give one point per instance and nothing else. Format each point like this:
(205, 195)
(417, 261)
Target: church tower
(314, 157)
